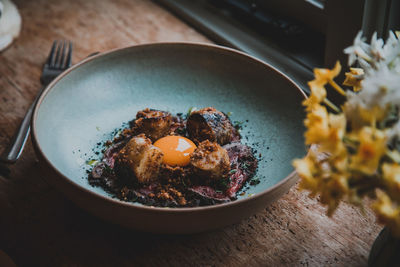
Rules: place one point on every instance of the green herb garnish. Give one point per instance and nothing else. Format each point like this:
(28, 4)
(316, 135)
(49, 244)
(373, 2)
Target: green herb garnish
(238, 124)
(92, 162)
(191, 109)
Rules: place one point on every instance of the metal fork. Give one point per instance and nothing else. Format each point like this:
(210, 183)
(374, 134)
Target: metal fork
(58, 61)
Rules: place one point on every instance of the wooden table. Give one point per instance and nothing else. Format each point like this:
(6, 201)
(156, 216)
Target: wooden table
(41, 227)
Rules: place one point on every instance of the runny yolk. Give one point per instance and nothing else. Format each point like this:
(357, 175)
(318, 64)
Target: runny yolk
(176, 150)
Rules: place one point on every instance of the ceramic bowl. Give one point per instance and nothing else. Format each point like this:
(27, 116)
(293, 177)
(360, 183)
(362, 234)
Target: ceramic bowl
(85, 104)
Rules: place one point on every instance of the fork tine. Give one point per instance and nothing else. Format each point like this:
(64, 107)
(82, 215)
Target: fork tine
(58, 54)
(63, 60)
(50, 58)
(69, 56)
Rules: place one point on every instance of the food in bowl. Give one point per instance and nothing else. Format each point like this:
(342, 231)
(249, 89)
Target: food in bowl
(176, 161)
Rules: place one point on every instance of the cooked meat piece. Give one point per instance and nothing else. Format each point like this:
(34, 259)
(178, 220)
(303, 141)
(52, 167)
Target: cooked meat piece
(244, 166)
(153, 123)
(111, 153)
(209, 194)
(178, 126)
(210, 160)
(139, 159)
(98, 170)
(209, 123)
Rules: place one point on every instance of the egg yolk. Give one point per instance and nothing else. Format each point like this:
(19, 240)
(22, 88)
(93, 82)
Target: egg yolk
(176, 150)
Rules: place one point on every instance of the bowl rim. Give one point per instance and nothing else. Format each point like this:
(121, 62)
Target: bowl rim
(153, 208)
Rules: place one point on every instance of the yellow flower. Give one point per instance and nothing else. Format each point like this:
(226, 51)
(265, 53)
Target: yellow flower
(324, 76)
(325, 129)
(354, 78)
(317, 176)
(333, 191)
(306, 169)
(391, 177)
(372, 115)
(318, 91)
(370, 150)
(391, 173)
(387, 212)
(317, 125)
(318, 94)
(340, 162)
(360, 117)
(336, 130)
(350, 157)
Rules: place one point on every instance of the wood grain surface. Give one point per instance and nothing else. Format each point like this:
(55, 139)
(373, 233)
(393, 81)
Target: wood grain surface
(40, 227)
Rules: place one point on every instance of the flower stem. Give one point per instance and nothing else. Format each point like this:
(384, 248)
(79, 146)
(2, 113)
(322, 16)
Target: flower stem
(331, 105)
(337, 87)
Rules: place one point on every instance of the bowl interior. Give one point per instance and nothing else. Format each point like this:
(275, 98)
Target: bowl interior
(87, 104)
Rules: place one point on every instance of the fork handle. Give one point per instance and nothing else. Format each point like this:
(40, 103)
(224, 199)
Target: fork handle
(13, 152)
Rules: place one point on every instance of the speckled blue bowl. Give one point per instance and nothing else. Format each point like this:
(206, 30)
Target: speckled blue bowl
(86, 103)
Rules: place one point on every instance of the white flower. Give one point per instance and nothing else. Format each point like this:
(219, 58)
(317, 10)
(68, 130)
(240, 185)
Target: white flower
(391, 52)
(358, 49)
(391, 42)
(396, 65)
(376, 48)
(380, 88)
(376, 54)
(365, 65)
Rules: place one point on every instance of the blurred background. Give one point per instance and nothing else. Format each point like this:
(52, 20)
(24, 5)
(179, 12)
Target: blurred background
(293, 35)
